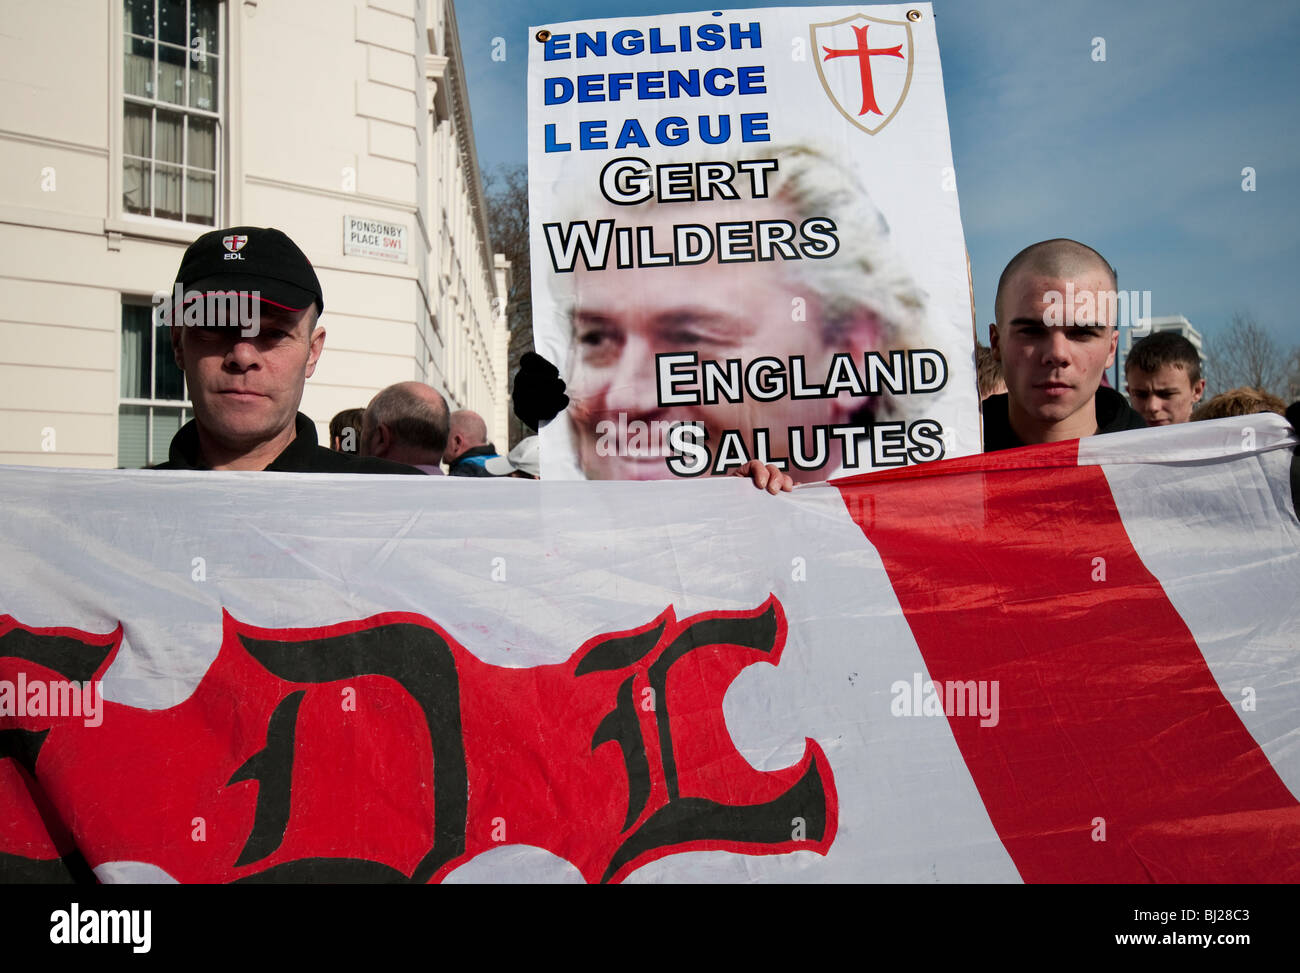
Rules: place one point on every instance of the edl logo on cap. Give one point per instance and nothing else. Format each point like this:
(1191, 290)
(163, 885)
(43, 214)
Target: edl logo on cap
(278, 273)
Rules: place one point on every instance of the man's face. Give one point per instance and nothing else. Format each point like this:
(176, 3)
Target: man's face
(1165, 396)
(1053, 351)
(623, 318)
(246, 388)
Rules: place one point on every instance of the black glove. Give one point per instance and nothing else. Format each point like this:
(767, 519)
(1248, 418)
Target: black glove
(539, 391)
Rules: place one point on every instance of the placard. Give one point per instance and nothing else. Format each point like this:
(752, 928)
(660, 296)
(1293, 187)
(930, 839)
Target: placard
(746, 244)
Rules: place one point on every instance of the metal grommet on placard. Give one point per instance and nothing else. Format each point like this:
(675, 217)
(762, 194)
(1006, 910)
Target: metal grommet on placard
(543, 35)
(914, 15)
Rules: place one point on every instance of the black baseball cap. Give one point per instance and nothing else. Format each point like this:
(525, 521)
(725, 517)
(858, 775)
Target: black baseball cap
(251, 260)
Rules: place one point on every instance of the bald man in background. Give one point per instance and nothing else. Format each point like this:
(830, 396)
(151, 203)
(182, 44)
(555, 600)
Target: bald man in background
(407, 423)
(1055, 335)
(467, 446)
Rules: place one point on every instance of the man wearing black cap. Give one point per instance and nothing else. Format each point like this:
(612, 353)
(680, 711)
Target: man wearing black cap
(244, 332)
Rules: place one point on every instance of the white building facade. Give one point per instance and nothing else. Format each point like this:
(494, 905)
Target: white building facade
(133, 126)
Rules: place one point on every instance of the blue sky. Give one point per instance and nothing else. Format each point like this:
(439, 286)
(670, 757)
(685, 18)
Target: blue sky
(1140, 156)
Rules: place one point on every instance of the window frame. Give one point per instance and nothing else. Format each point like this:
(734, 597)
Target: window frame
(120, 218)
(183, 405)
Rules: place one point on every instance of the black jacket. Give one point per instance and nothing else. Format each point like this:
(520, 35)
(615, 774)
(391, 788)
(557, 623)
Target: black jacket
(303, 455)
(1114, 414)
(470, 462)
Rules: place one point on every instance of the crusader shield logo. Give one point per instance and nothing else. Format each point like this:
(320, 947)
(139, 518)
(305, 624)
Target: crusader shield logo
(234, 243)
(865, 66)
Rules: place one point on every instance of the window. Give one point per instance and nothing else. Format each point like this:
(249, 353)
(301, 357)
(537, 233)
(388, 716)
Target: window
(171, 128)
(153, 404)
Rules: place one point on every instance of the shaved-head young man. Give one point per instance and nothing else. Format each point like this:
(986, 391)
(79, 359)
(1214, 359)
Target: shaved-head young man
(1055, 335)
(407, 423)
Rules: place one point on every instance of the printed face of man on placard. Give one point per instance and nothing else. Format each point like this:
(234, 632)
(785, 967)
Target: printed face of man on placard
(621, 319)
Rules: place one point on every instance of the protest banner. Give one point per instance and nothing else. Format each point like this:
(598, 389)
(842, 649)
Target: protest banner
(746, 243)
(1069, 663)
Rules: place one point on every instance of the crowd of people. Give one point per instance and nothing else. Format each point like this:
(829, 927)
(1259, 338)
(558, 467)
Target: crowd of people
(1163, 380)
(1041, 377)
(409, 423)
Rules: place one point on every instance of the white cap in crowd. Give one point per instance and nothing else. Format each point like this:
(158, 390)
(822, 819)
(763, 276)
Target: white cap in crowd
(524, 458)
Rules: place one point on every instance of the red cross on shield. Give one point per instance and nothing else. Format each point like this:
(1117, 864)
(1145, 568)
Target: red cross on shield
(865, 66)
(234, 243)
